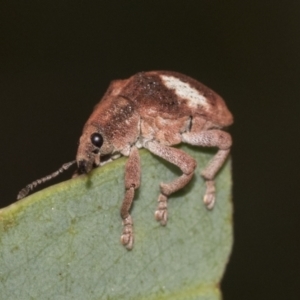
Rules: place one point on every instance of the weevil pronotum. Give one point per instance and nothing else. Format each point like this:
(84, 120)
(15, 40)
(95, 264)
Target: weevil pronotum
(153, 110)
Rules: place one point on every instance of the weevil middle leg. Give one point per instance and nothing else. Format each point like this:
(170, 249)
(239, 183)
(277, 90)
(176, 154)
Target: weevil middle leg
(182, 160)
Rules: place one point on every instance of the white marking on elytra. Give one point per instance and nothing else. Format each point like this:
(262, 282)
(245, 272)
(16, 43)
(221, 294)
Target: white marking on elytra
(185, 91)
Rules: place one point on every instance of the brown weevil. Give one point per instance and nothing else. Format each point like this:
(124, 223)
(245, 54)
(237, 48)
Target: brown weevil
(153, 110)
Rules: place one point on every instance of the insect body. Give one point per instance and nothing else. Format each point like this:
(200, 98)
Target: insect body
(156, 110)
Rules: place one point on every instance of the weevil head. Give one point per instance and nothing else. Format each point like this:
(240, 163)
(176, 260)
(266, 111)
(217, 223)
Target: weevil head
(92, 144)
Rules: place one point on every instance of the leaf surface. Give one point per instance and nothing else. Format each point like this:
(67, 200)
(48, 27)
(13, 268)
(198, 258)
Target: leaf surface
(63, 242)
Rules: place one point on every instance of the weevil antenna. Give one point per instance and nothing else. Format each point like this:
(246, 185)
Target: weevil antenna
(24, 192)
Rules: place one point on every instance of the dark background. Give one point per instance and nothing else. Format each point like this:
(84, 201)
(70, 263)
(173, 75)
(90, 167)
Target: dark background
(57, 58)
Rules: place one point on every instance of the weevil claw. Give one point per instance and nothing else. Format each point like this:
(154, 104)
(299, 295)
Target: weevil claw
(127, 240)
(209, 201)
(209, 197)
(127, 236)
(161, 214)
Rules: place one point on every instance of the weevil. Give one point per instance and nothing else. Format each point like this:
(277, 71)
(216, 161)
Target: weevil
(153, 110)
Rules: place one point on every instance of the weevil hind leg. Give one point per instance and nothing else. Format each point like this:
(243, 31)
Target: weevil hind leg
(210, 138)
(179, 158)
(132, 182)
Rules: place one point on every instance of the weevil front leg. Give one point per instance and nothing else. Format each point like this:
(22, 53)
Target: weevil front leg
(210, 138)
(132, 182)
(182, 160)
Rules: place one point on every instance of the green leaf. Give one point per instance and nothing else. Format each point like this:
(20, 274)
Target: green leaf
(64, 241)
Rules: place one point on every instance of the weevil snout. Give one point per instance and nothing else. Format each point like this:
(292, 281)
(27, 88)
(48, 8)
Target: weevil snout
(85, 165)
(82, 166)
(87, 155)
(86, 159)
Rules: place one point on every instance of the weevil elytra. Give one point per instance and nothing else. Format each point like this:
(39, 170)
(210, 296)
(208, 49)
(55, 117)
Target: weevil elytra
(154, 110)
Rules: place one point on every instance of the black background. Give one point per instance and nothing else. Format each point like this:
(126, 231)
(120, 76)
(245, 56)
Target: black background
(57, 58)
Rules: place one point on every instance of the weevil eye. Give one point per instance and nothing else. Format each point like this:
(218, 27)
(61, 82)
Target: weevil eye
(97, 139)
